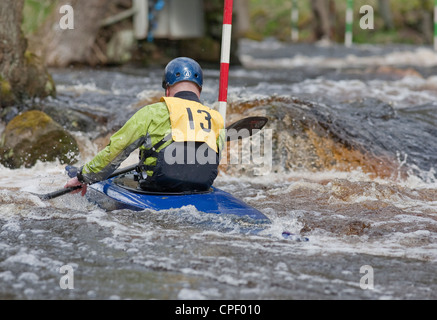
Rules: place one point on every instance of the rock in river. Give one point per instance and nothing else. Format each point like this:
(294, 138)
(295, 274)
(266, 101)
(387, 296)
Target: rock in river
(33, 136)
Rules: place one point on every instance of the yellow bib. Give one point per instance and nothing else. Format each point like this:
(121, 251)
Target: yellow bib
(192, 121)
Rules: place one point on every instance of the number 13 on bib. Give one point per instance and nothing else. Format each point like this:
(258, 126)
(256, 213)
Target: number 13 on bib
(192, 121)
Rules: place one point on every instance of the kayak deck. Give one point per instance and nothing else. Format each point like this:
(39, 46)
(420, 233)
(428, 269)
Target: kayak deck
(216, 201)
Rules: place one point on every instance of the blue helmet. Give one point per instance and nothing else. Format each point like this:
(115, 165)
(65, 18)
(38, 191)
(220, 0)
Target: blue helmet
(182, 69)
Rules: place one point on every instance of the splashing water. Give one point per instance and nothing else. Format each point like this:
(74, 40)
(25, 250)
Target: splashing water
(351, 216)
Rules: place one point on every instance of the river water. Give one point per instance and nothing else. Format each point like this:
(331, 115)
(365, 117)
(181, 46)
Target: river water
(362, 229)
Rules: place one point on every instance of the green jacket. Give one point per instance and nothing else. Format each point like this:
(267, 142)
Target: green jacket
(146, 128)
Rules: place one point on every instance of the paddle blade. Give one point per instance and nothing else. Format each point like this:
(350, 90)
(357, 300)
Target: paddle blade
(245, 128)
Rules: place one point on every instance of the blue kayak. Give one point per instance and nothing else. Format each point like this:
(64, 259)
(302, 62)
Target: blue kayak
(115, 194)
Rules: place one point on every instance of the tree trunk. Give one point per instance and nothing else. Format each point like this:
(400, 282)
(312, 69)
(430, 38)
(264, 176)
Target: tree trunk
(242, 23)
(321, 11)
(427, 25)
(22, 76)
(386, 14)
(60, 47)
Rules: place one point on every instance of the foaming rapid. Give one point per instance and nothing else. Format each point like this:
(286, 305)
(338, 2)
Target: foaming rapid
(282, 55)
(411, 90)
(375, 216)
(329, 183)
(343, 214)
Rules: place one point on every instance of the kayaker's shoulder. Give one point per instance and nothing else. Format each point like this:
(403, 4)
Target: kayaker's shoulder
(155, 108)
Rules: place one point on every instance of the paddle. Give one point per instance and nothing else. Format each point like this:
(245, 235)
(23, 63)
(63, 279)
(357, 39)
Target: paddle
(64, 191)
(245, 128)
(238, 130)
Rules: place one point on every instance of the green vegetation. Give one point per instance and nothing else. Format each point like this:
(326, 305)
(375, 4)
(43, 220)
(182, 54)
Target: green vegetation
(5, 87)
(412, 21)
(6, 95)
(34, 13)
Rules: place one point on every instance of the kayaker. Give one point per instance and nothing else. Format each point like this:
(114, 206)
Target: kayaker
(179, 138)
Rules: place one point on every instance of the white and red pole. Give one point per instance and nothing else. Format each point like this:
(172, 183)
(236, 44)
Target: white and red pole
(225, 57)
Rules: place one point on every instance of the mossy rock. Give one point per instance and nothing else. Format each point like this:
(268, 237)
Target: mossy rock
(33, 136)
(70, 119)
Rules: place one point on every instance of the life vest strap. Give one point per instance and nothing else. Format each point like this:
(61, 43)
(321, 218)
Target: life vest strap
(152, 152)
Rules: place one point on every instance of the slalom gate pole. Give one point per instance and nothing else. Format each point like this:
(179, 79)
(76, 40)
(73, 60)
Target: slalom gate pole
(349, 23)
(225, 58)
(435, 25)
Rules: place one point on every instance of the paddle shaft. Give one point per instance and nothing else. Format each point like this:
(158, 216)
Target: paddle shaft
(64, 191)
(247, 123)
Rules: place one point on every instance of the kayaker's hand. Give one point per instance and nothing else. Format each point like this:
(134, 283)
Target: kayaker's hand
(75, 183)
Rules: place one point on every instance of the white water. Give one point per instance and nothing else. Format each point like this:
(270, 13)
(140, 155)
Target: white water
(185, 254)
(373, 56)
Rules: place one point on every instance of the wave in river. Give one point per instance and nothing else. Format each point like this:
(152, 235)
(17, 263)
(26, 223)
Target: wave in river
(353, 215)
